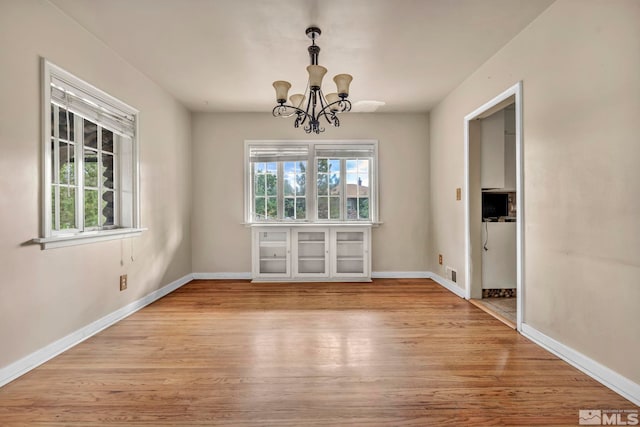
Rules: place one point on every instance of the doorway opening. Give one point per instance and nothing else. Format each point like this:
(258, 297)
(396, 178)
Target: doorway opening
(494, 207)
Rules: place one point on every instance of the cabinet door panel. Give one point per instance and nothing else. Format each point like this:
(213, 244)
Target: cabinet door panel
(311, 252)
(350, 253)
(271, 253)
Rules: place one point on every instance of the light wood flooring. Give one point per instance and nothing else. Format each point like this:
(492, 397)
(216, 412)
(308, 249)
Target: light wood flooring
(503, 309)
(389, 353)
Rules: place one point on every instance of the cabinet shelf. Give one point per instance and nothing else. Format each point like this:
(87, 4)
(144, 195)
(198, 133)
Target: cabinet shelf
(274, 258)
(272, 244)
(350, 258)
(349, 242)
(311, 258)
(306, 242)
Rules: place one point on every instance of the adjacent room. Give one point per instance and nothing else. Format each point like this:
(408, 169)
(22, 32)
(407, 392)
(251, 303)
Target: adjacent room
(363, 212)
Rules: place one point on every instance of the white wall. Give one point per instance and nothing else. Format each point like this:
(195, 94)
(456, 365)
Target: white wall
(579, 62)
(222, 244)
(45, 295)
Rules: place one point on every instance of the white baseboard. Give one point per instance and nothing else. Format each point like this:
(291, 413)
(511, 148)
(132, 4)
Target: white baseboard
(450, 285)
(221, 276)
(400, 274)
(38, 357)
(609, 378)
(374, 275)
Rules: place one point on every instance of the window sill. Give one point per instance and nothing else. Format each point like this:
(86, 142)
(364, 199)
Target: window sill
(62, 240)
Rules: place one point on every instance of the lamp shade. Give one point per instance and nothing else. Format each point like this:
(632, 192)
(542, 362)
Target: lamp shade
(297, 100)
(316, 73)
(282, 89)
(331, 98)
(342, 83)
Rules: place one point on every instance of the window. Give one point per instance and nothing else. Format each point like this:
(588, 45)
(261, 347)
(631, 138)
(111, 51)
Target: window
(278, 182)
(344, 182)
(310, 182)
(91, 168)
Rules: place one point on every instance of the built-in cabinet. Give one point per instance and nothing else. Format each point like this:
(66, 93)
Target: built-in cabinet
(498, 150)
(311, 253)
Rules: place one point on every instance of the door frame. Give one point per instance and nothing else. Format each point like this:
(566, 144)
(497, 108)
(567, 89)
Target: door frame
(513, 91)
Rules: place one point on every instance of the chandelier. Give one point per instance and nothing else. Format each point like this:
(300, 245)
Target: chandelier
(318, 105)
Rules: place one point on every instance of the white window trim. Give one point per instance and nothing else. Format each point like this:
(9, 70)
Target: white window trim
(311, 183)
(48, 238)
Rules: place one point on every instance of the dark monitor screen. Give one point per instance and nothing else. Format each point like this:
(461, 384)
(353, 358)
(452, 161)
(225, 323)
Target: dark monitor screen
(495, 205)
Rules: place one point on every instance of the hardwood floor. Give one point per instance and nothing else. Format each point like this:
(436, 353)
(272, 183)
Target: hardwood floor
(394, 352)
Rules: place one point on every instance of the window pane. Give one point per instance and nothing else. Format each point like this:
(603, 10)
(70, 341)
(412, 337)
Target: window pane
(90, 208)
(107, 140)
(90, 168)
(53, 207)
(67, 170)
(53, 123)
(323, 165)
(363, 186)
(272, 207)
(289, 168)
(301, 209)
(90, 134)
(260, 187)
(259, 167)
(62, 125)
(67, 208)
(352, 166)
(334, 166)
(323, 208)
(53, 162)
(301, 179)
(363, 167)
(323, 184)
(260, 207)
(107, 170)
(363, 208)
(352, 208)
(272, 168)
(272, 185)
(289, 208)
(334, 183)
(289, 183)
(108, 207)
(334, 204)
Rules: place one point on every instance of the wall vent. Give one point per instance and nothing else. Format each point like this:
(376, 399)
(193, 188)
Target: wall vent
(451, 274)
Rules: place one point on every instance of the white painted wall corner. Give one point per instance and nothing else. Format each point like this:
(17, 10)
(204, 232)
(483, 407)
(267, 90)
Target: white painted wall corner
(450, 285)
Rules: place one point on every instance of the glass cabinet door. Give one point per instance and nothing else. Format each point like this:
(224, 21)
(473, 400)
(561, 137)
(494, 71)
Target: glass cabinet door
(311, 253)
(273, 252)
(350, 255)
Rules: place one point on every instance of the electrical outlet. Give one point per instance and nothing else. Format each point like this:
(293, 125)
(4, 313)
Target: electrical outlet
(458, 193)
(123, 282)
(440, 259)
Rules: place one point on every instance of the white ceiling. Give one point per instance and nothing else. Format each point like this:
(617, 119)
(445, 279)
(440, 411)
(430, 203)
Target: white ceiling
(223, 55)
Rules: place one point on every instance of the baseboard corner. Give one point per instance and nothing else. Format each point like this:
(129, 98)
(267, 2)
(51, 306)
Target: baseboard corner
(448, 284)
